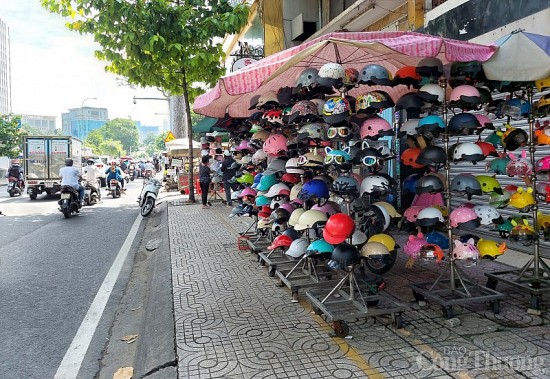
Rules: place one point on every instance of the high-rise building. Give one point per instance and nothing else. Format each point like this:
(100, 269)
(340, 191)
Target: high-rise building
(44, 124)
(79, 122)
(5, 69)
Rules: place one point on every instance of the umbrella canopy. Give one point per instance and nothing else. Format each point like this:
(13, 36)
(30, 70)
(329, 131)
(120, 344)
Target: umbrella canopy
(520, 57)
(210, 124)
(392, 50)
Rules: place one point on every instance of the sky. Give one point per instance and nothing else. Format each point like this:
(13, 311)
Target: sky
(54, 69)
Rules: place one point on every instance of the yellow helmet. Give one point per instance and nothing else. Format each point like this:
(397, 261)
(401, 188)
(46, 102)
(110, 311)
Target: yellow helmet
(384, 239)
(390, 208)
(542, 84)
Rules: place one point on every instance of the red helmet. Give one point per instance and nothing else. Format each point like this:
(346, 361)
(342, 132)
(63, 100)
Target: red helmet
(409, 157)
(290, 178)
(283, 241)
(339, 226)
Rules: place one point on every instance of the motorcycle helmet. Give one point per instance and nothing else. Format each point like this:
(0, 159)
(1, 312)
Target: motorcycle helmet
(280, 242)
(336, 110)
(464, 218)
(389, 208)
(318, 247)
(375, 74)
(373, 127)
(331, 75)
(487, 149)
(373, 101)
(297, 248)
(245, 178)
(490, 249)
(245, 147)
(346, 255)
(311, 159)
(272, 117)
(514, 138)
(314, 189)
(466, 183)
(542, 106)
(489, 184)
(267, 99)
(278, 189)
(315, 131)
(374, 183)
(412, 212)
(408, 128)
(345, 185)
(374, 250)
(430, 183)
(432, 93)
(468, 151)
(311, 219)
(275, 145)
(259, 156)
(429, 217)
(484, 122)
(430, 67)
(266, 182)
(329, 208)
(523, 232)
(413, 245)
(358, 238)
(257, 179)
(408, 157)
(248, 192)
(499, 200)
(386, 240)
(262, 201)
(543, 165)
(407, 76)
(430, 126)
(308, 77)
(275, 166)
(519, 166)
(438, 238)
(498, 165)
(431, 252)
(432, 156)
(302, 111)
(325, 178)
(258, 138)
(294, 191)
(514, 108)
(292, 167)
(295, 216)
(409, 183)
(467, 252)
(290, 179)
(386, 218)
(409, 101)
(264, 213)
(523, 199)
(488, 215)
(465, 97)
(463, 124)
(338, 157)
(338, 228)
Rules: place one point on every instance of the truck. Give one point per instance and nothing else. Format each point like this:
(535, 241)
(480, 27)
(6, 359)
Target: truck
(43, 157)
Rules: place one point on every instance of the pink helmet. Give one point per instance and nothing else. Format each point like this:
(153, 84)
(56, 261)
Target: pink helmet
(303, 108)
(414, 244)
(466, 251)
(465, 94)
(288, 206)
(463, 217)
(375, 126)
(412, 212)
(275, 145)
(245, 145)
(329, 208)
(248, 192)
(543, 165)
(484, 121)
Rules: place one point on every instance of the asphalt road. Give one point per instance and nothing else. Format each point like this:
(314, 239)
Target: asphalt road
(51, 269)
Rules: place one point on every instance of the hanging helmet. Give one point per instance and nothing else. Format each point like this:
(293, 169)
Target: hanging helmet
(430, 126)
(295, 216)
(294, 191)
(345, 185)
(303, 110)
(257, 179)
(245, 178)
(374, 183)
(329, 208)
(262, 200)
(523, 232)
(272, 117)
(346, 254)
(268, 98)
(488, 215)
(499, 200)
(408, 157)
(408, 101)
(523, 199)
(280, 215)
(307, 77)
(430, 183)
(409, 128)
(438, 239)
(389, 208)
(245, 146)
(488, 184)
(431, 252)
(543, 165)
(519, 166)
(465, 97)
(468, 151)
(311, 219)
(237, 211)
(487, 149)
(265, 211)
(290, 178)
(374, 250)
(375, 74)
(319, 246)
(407, 75)
(432, 156)
(259, 156)
(281, 241)
(373, 101)
(351, 76)
(484, 121)
(498, 165)
(275, 166)
(358, 238)
(542, 106)
(514, 138)
(466, 251)
(266, 182)
(430, 67)
(429, 217)
(374, 127)
(311, 159)
(414, 244)
(297, 248)
(250, 192)
(275, 145)
(466, 183)
(463, 124)
(409, 183)
(385, 239)
(386, 218)
(291, 167)
(316, 131)
(542, 84)
(432, 93)
(463, 217)
(338, 227)
(245, 160)
(515, 108)
(331, 75)
(278, 189)
(258, 138)
(336, 109)
(314, 189)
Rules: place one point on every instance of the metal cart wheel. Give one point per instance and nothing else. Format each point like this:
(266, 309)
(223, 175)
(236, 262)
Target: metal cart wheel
(341, 329)
(271, 271)
(495, 306)
(294, 297)
(373, 303)
(418, 296)
(448, 311)
(398, 321)
(492, 283)
(316, 310)
(535, 302)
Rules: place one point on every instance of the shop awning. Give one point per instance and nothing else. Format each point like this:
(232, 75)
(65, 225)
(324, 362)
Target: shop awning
(209, 125)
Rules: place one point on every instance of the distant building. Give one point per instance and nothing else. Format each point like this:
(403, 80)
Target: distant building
(145, 130)
(46, 124)
(79, 122)
(5, 69)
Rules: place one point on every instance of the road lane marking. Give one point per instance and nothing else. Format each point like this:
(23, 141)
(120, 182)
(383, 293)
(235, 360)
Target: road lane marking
(72, 361)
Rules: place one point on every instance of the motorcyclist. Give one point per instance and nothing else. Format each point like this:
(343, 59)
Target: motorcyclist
(114, 172)
(70, 176)
(91, 175)
(148, 167)
(15, 171)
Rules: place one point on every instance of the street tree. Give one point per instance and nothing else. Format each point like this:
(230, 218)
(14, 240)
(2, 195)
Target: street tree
(122, 130)
(169, 44)
(111, 147)
(10, 136)
(154, 143)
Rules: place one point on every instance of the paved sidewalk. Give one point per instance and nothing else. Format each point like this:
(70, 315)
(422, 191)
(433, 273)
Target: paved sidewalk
(232, 321)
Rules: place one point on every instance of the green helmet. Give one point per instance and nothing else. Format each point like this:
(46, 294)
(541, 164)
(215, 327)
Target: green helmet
(319, 247)
(262, 200)
(245, 178)
(489, 184)
(266, 182)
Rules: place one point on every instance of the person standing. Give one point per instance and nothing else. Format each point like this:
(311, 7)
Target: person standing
(228, 169)
(204, 180)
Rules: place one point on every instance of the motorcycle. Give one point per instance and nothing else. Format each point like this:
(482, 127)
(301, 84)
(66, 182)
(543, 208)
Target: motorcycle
(91, 195)
(148, 196)
(132, 173)
(148, 174)
(69, 203)
(114, 188)
(15, 186)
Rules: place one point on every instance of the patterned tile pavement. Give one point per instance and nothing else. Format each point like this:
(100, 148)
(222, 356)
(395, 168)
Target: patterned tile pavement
(233, 321)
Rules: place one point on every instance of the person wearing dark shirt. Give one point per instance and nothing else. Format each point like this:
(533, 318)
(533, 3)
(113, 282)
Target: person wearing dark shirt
(204, 180)
(228, 169)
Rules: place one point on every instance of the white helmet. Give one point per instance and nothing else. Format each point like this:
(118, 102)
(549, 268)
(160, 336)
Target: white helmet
(488, 215)
(259, 156)
(387, 217)
(331, 74)
(374, 183)
(409, 127)
(297, 248)
(311, 219)
(291, 167)
(245, 159)
(295, 191)
(235, 195)
(429, 216)
(278, 189)
(468, 151)
(295, 216)
(432, 89)
(358, 238)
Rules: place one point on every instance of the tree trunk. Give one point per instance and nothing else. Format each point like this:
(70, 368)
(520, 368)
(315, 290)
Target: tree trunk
(178, 117)
(189, 132)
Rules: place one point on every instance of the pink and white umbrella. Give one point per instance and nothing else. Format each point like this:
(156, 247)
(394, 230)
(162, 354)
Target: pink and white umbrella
(392, 50)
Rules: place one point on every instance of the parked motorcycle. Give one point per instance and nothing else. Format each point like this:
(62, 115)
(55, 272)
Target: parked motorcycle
(148, 196)
(91, 195)
(69, 203)
(114, 188)
(15, 186)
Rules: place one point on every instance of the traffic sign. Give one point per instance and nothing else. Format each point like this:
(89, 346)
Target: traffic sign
(170, 137)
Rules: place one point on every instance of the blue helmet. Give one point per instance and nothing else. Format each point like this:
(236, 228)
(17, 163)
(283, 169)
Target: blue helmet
(438, 239)
(409, 184)
(314, 189)
(319, 246)
(432, 125)
(257, 179)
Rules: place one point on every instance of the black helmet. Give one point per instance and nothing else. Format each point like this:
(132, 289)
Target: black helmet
(466, 183)
(280, 215)
(68, 162)
(409, 100)
(463, 123)
(432, 155)
(90, 162)
(515, 139)
(346, 254)
(430, 183)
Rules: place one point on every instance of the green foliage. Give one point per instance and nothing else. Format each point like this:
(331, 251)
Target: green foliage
(120, 130)
(111, 147)
(10, 136)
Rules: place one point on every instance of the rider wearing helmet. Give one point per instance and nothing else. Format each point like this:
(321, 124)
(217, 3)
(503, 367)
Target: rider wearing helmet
(91, 174)
(70, 176)
(16, 171)
(115, 172)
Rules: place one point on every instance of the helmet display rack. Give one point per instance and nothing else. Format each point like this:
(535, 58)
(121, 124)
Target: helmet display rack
(534, 276)
(455, 288)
